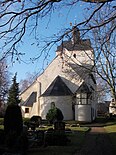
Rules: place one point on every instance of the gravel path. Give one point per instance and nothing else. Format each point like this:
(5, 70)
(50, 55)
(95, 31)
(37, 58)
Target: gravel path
(97, 143)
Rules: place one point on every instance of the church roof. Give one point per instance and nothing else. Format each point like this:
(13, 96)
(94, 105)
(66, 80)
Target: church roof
(57, 88)
(76, 43)
(83, 88)
(30, 100)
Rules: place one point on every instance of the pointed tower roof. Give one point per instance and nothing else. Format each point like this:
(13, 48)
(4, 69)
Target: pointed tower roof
(76, 43)
(83, 88)
(57, 88)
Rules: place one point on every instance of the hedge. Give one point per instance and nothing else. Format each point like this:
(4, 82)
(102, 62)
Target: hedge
(1, 121)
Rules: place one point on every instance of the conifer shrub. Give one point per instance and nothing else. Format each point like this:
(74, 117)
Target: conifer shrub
(54, 114)
(15, 137)
(1, 121)
(13, 121)
(2, 137)
(26, 122)
(13, 127)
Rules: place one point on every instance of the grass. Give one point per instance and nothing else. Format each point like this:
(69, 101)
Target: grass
(111, 130)
(76, 138)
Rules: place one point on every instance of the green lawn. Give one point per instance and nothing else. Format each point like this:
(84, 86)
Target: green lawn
(77, 139)
(111, 130)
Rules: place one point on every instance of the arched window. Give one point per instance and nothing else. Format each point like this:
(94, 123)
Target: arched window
(52, 104)
(74, 55)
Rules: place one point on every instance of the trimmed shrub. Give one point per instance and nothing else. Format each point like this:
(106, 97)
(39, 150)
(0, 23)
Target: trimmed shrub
(2, 137)
(1, 121)
(15, 137)
(13, 125)
(13, 120)
(26, 121)
(54, 114)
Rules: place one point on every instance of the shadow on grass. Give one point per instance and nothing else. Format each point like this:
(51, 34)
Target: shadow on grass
(76, 142)
(81, 142)
(90, 144)
(98, 143)
(100, 122)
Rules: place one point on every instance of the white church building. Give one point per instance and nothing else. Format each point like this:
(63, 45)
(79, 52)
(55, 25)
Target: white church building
(68, 83)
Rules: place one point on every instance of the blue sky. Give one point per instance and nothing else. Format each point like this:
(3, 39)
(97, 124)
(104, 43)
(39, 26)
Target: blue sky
(47, 27)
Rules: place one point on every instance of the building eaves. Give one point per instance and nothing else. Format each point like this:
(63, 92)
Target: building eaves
(30, 100)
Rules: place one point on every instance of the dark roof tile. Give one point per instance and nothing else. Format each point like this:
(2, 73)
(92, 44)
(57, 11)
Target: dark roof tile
(30, 100)
(83, 88)
(57, 88)
(82, 45)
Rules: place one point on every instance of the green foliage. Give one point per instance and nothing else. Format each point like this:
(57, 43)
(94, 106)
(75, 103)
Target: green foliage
(13, 128)
(1, 121)
(54, 114)
(13, 97)
(2, 137)
(35, 121)
(26, 121)
(13, 120)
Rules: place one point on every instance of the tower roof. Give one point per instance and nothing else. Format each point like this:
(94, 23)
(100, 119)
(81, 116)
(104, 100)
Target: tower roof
(82, 45)
(57, 88)
(83, 88)
(76, 43)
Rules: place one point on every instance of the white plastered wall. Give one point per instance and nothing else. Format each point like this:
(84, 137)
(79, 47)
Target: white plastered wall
(25, 115)
(83, 113)
(34, 110)
(32, 88)
(64, 103)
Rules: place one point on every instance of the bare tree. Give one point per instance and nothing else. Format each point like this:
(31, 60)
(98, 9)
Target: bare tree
(17, 17)
(4, 81)
(103, 90)
(104, 42)
(25, 83)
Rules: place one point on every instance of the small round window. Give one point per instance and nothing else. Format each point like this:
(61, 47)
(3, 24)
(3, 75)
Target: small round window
(52, 104)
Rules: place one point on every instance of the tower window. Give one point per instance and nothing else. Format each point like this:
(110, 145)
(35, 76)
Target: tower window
(74, 55)
(26, 110)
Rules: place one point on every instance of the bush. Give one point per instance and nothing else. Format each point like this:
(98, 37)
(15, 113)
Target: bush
(1, 121)
(54, 114)
(34, 122)
(13, 120)
(15, 139)
(2, 137)
(26, 121)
